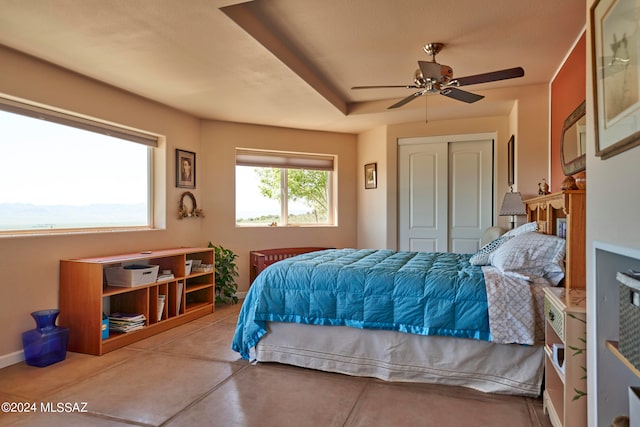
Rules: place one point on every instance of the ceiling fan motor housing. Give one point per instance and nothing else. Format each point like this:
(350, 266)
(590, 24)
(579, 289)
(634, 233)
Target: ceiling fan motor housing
(434, 72)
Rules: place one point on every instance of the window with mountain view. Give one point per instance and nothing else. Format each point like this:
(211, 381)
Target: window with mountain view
(61, 172)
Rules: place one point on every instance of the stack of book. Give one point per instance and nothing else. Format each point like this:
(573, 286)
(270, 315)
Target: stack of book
(126, 322)
(165, 275)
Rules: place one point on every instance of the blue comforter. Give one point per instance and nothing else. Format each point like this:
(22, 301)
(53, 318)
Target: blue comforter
(422, 293)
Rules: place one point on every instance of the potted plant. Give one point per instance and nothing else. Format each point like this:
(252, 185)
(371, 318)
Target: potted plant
(226, 272)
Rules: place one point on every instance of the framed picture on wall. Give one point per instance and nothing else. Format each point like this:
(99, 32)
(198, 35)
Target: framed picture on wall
(185, 169)
(370, 175)
(511, 161)
(615, 75)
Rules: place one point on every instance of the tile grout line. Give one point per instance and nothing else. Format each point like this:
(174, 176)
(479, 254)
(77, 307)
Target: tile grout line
(351, 416)
(204, 395)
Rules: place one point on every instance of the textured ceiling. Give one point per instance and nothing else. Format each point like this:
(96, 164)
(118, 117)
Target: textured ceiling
(293, 62)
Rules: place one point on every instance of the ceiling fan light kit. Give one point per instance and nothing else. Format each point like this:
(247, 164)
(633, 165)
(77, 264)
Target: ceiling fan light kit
(432, 77)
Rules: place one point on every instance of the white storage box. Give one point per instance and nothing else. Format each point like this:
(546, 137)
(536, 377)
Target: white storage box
(132, 275)
(187, 267)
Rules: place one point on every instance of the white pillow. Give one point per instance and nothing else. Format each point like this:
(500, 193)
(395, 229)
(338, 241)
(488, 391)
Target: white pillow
(482, 256)
(531, 256)
(524, 228)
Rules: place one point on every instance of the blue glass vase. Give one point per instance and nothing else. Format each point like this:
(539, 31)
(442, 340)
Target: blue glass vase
(47, 343)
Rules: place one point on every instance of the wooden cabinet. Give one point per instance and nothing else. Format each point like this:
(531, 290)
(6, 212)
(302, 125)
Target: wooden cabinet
(564, 396)
(569, 208)
(85, 296)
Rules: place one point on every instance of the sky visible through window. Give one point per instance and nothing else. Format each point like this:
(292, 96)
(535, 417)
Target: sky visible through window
(249, 202)
(55, 176)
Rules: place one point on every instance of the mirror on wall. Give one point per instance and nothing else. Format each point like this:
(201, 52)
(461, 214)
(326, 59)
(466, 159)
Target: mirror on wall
(574, 141)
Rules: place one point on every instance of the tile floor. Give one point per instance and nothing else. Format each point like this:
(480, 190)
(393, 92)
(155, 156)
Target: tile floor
(189, 376)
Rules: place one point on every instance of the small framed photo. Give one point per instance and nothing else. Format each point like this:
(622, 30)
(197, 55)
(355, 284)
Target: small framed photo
(185, 169)
(370, 175)
(561, 227)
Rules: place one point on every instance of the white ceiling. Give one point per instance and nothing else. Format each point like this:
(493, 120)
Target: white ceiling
(292, 62)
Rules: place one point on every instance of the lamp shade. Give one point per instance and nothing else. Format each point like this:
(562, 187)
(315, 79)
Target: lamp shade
(512, 204)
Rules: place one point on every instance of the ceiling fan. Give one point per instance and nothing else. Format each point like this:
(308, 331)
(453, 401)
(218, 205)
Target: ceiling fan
(432, 77)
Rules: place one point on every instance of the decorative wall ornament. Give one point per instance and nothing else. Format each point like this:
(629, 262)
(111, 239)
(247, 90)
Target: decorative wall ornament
(543, 187)
(569, 183)
(189, 209)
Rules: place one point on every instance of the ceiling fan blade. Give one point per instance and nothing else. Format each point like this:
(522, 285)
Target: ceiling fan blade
(461, 95)
(384, 87)
(510, 73)
(407, 99)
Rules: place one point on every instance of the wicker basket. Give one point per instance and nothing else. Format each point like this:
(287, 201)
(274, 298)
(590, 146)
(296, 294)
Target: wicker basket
(629, 340)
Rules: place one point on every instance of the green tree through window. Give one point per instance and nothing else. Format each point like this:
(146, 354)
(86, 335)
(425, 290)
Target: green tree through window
(302, 185)
(284, 188)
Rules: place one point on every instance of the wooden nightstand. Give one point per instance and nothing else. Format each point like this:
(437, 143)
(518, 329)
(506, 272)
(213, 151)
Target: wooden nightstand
(565, 375)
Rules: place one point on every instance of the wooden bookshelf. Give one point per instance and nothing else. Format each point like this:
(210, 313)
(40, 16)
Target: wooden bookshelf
(85, 296)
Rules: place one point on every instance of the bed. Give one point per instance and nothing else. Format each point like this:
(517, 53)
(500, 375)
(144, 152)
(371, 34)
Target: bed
(472, 320)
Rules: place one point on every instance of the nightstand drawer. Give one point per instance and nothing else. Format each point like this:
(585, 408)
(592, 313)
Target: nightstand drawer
(554, 317)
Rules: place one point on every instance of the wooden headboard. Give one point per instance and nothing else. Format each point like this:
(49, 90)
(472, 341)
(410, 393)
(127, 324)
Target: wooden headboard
(565, 210)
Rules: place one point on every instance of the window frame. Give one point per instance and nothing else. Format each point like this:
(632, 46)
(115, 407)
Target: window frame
(153, 142)
(285, 160)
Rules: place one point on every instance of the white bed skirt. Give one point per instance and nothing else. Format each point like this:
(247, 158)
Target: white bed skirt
(396, 356)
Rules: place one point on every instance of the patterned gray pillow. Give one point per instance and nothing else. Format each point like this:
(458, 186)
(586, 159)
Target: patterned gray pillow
(482, 256)
(524, 228)
(531, 256)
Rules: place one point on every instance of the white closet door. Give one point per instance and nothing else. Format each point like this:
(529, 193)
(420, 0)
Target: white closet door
(445, 194)
(423, 181)
(470, 194)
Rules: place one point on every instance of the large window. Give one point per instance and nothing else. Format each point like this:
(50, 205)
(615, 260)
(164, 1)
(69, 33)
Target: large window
(276, 188)
(61, 172)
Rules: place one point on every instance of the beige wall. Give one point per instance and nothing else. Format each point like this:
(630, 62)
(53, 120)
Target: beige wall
(372, 212)
(30, 265)
(218, 176)
(532, 139)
